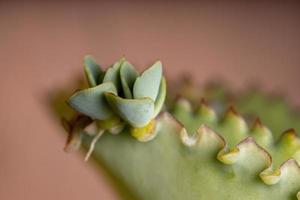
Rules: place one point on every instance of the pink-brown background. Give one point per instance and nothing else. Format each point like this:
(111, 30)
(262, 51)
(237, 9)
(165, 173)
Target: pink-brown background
(41, 49)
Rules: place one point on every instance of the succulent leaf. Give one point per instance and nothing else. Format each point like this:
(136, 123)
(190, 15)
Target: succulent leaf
(92, 71)
(159, 102)
(113, 75)
(160, 164)
(92, 102)
(137, 112)
(128, 76)
(147, 85)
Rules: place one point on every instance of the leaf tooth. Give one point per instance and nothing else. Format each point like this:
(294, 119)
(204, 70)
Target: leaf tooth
(206, 111)
(250, 142)
(262, 134)
(182, 105)
(204, 137)
(233, 126)
(289, 138)
(247, 156)
(269, 176)
(228, 157)
(208, 137)
(258, 124)
(188, 140)
(232, 110)
(290, 169)
(289, 145)
(232, 116)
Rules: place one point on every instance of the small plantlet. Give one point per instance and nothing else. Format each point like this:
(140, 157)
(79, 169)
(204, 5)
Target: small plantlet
(120, 97)
(190, 150)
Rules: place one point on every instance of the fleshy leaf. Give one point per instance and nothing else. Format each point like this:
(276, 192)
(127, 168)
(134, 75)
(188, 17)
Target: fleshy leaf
(159, 102)
(113, 74)
(92, 102)
(147, 85)
(137, 112)
(172, 167)
(128, 76)
(92, 70)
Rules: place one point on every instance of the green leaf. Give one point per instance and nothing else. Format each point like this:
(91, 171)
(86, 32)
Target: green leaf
(113, 74)
(147, 84)
(92, 102)
(168, 168)
(92, 70)
(137, 112)
(128, 76)
(159, 102)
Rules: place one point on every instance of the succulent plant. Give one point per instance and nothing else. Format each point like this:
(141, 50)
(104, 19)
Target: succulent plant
(117, 97)
(189, 151)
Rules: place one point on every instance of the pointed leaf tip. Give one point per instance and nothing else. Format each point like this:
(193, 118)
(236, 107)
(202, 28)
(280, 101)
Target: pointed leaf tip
(113, 74)
(289, 133)
(128, 76)
(92, 70)
(147, 85)
(262, 134)
(257, 123)
(232, 111)
(290, 137)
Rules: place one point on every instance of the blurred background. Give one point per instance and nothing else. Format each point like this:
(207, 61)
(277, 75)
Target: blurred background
(42, 44)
